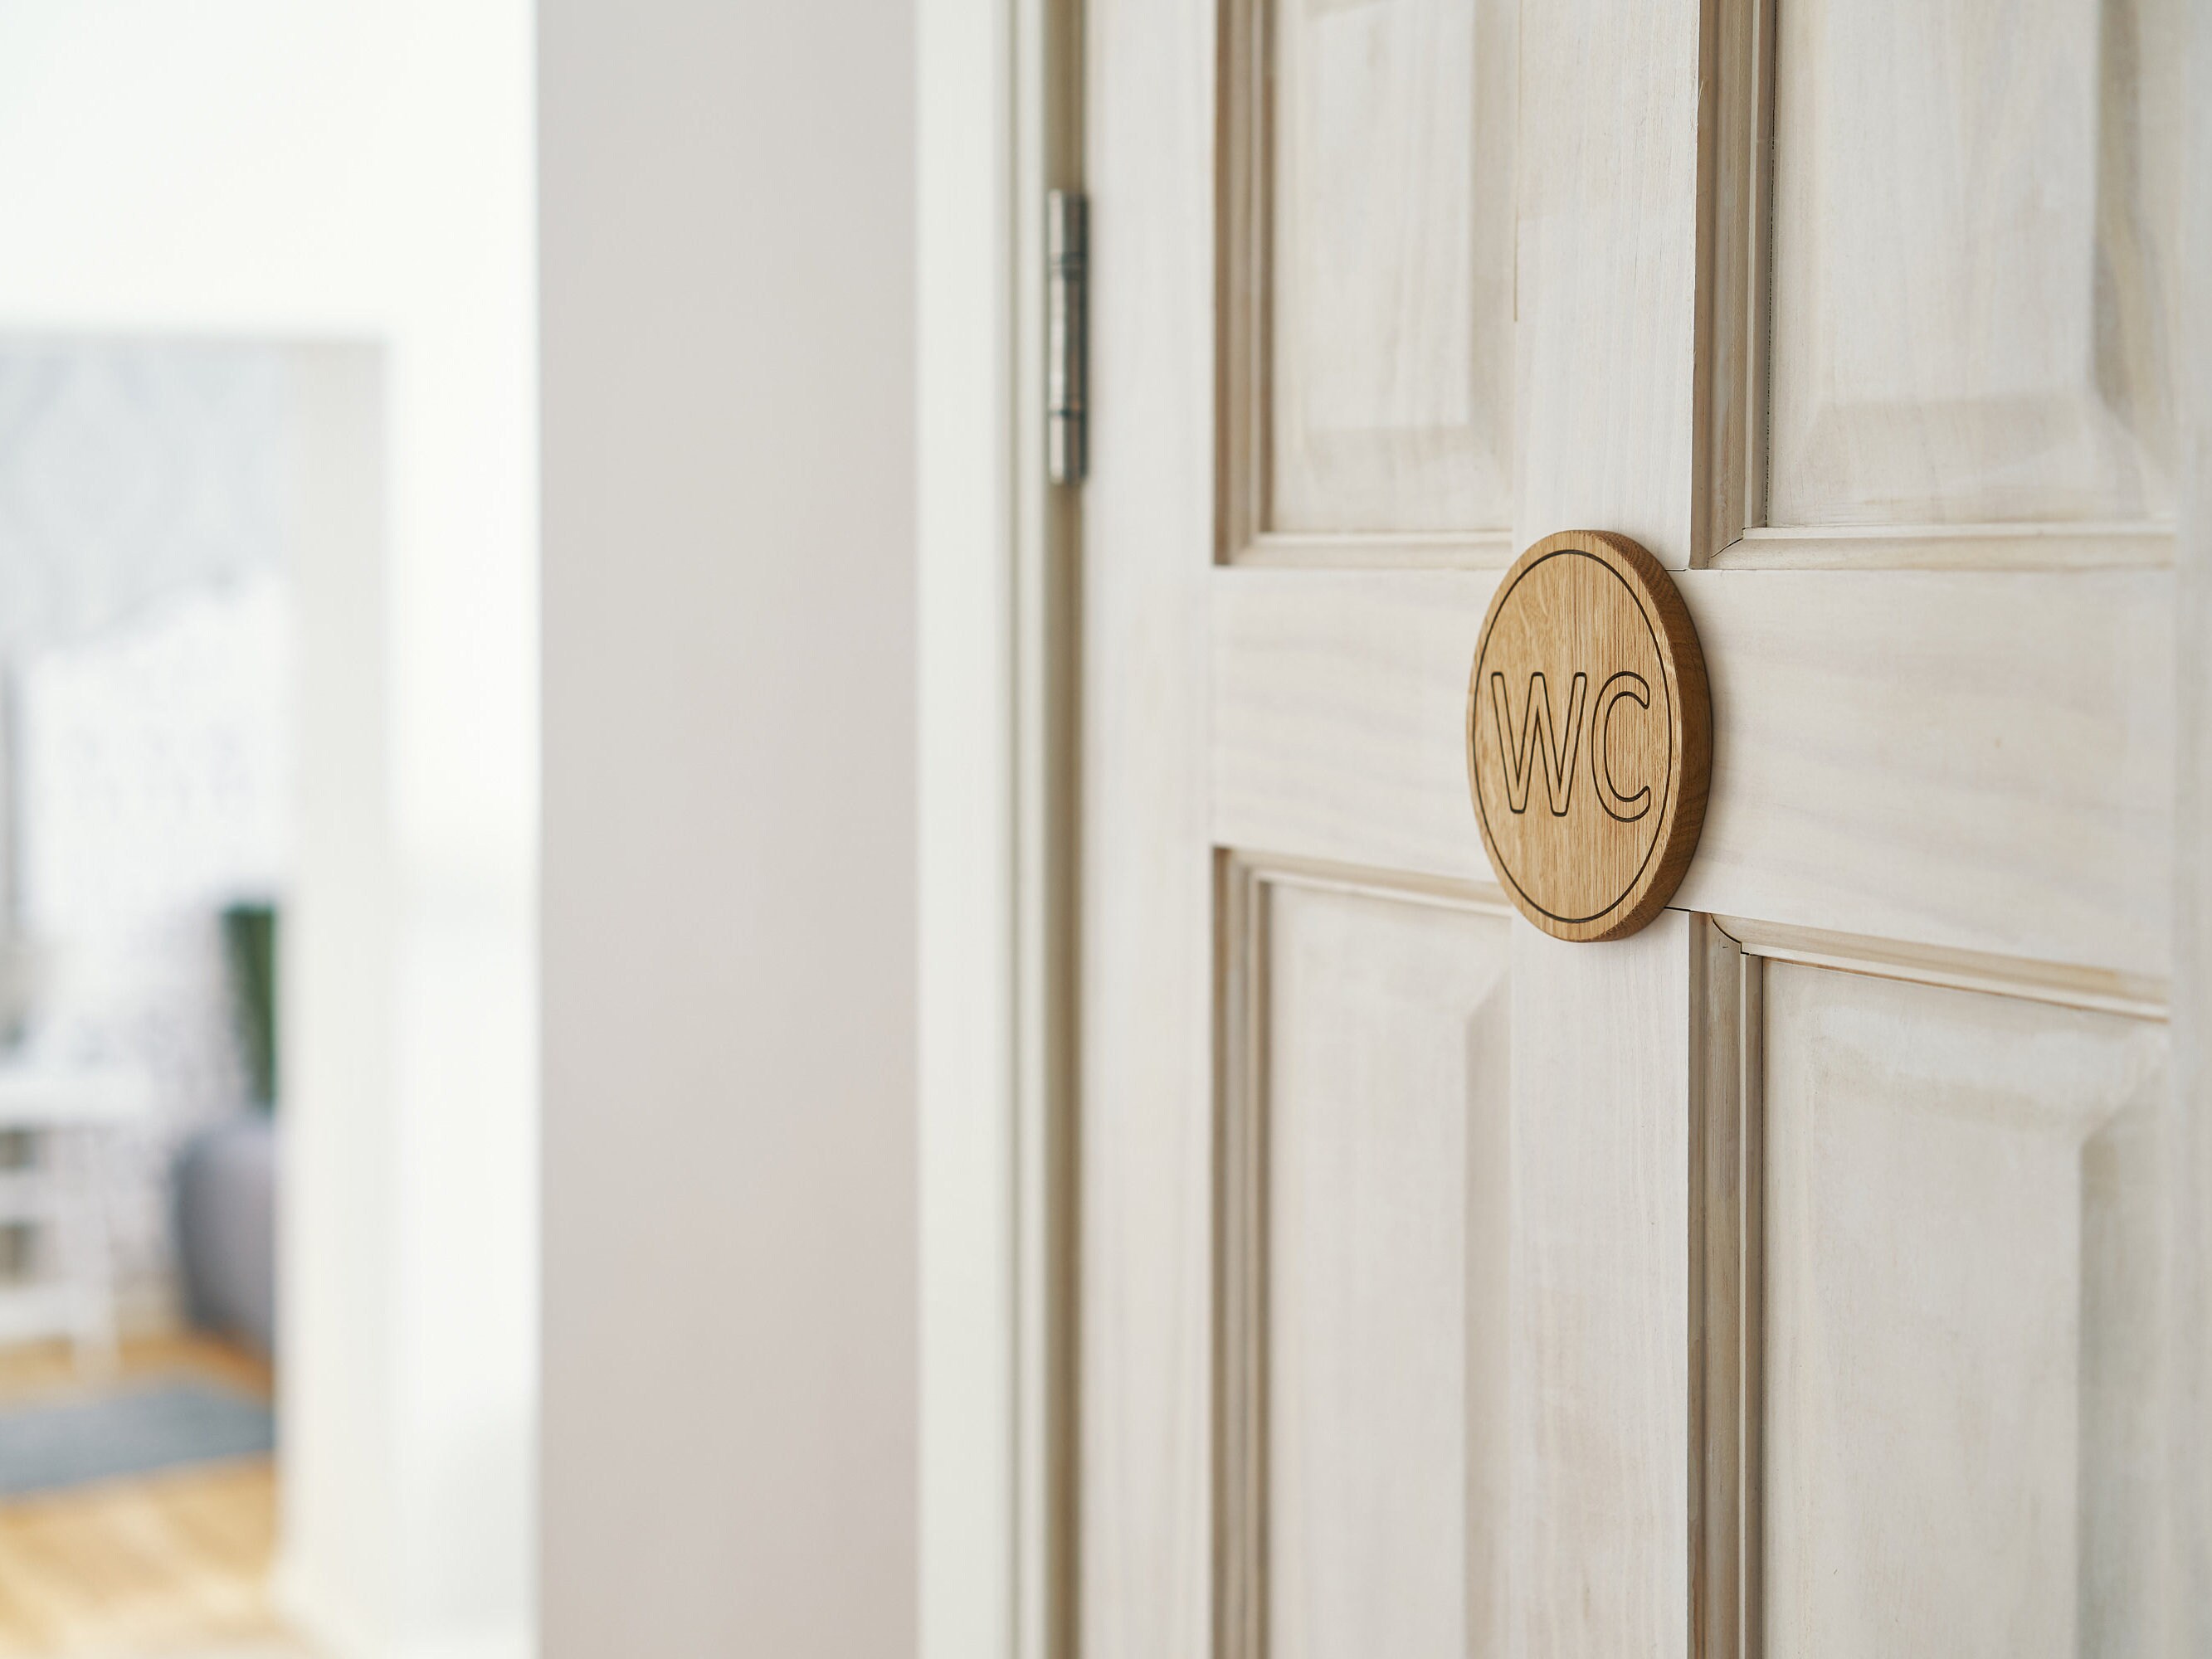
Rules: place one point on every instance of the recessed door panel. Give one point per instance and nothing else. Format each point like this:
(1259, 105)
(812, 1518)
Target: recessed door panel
(1368, 1258)
(1976, 217)
(1964, 1338)
(1376, 277)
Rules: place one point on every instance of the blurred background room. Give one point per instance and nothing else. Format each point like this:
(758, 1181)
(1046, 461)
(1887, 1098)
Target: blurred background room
(268, 751)
(147, 784)
(288, 1367)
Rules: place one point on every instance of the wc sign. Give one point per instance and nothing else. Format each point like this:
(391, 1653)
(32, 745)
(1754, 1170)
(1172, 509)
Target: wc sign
(1588, 735)
(1539, 736)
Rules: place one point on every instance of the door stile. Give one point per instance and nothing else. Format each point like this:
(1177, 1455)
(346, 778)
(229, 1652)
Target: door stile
(1635, 1138)
(1606, 273)
(1636, 1225)
(1605, 1073)
(1148, 945)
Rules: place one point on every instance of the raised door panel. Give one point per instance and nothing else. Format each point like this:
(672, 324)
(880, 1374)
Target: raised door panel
(1365, 1262)
(1965, 1345)
(1975, 226)
(1370, 253)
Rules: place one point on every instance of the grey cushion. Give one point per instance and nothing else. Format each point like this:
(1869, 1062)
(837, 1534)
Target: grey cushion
(226, 1228)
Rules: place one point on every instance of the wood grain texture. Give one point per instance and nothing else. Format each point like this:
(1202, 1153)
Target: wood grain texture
(1339, 707)
(1967, 1350)
(1145, 1522)
(1981, 762)
(1605, 398)
(1975, 260)
(1902, 758)
(1587, 665)
(1601, 1422)
(1366, 254)
(1606, 294)
(1606, 401)
(1363, 1266)
(1943, 759)
(176, 1562)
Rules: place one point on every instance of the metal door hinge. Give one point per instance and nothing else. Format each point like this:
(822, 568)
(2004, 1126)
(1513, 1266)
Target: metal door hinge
(1067, 248)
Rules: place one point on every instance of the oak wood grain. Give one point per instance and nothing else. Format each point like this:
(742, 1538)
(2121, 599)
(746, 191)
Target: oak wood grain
(175, 1562)
(1583, 623)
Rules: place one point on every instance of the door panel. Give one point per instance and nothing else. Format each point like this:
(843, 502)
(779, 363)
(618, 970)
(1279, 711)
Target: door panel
(1389, 273)
(1964, 1339)
(1366, 280)
(1976, 216)
(1368, 1251)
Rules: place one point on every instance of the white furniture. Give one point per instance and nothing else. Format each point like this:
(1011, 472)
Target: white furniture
(67, 1115)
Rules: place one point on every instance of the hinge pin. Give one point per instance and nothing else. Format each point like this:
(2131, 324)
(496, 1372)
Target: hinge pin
(1066, 277)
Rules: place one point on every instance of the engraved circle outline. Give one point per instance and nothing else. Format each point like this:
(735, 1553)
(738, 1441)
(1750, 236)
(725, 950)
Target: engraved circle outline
(1666, 776)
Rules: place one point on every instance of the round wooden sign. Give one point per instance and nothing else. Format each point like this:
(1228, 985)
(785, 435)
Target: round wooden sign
(1590, 735)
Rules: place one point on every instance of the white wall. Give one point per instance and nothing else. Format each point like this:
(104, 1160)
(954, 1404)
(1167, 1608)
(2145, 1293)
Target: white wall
(726, 195)
(317, 170)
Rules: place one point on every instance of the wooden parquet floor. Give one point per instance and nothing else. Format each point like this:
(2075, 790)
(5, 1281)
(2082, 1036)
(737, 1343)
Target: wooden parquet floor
(167, 1566)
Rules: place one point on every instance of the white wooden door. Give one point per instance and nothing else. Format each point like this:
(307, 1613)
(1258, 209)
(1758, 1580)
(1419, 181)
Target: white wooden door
(1805, 1274)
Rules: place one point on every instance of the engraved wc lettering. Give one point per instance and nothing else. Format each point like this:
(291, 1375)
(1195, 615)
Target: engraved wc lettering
(1634, 687)
(1536, 728)
(1588, 663)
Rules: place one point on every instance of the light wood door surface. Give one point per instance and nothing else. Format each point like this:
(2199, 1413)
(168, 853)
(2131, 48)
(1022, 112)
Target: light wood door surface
(1808, 1273)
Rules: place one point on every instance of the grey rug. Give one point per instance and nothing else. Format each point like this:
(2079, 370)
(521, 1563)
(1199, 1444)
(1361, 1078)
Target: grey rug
(134, 1429)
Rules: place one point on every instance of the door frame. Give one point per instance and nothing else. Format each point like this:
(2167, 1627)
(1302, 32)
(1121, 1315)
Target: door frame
(999, 122)
(2190, 1006)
